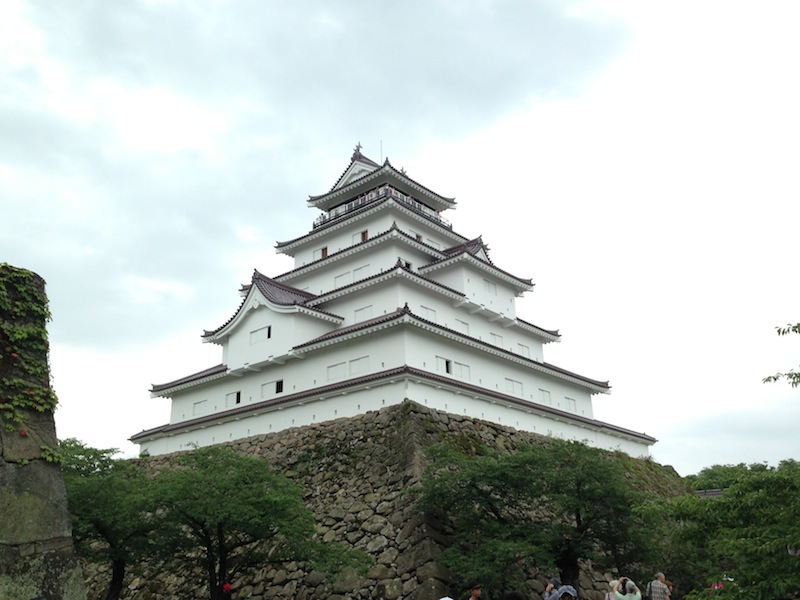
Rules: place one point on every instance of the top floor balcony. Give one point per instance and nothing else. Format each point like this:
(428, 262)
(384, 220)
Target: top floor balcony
(379, 193)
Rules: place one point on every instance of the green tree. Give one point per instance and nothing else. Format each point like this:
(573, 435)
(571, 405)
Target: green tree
(720, 477)
(792, 376)
(548, 505)
(748, 533)
(110, 505)
(232, 513)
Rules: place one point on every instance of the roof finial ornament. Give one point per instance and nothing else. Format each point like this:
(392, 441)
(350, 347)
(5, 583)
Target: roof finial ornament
(357, 151)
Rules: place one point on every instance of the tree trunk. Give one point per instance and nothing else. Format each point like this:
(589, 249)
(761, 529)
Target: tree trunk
(117, 577)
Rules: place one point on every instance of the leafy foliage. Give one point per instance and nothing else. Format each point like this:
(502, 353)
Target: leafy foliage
(230, 513)
(792, 376)
(24, 370)
(548, 505)
(746, 534)
(111, 506)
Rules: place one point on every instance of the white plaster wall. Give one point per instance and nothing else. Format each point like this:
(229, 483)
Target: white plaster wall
(386, 349)
(339, 238)
(360, 265)
(340, 362)
(425, 351)
(361, 401)
(287, 330)
(498, 297)
(387, 297)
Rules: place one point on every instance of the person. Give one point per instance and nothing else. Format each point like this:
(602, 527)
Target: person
(657, 589)
(610, 594)
(626, 589)
(551, 591)
(567, 592)
(474, 590)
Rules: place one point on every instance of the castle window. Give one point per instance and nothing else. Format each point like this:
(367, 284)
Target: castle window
(497, 340)
(343, 279)
(461, 370)
(359, 365)
(337, 371)
(321, 253)
(444, 365)
(462, 326)
(362, 314)
(360, 272)
(200, 408)
(279, 386)
(490, 287)
(364, 236)
(524, 350)
(513, 387)
(260, 335)
(428, 313)
(544, 396)
(233, 399)
(572, 405)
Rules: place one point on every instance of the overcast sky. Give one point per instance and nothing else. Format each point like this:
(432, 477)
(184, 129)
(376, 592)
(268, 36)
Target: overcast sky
(637, 160)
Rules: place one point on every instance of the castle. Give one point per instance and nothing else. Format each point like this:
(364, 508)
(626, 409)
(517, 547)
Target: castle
(385, 303)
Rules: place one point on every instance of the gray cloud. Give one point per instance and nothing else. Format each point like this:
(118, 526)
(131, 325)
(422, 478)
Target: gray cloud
(292, 82)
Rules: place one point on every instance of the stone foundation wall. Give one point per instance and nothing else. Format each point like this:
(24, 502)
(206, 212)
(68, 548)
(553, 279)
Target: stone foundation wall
(359, 475)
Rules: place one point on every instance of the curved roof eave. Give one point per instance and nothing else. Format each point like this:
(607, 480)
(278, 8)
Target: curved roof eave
(265, 291)
(161, 390)
(516, 282)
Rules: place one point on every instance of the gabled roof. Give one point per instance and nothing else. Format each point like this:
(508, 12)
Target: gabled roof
(475, 247)
(274, 292)
(359, 166)
(362, 174)
(278, 292)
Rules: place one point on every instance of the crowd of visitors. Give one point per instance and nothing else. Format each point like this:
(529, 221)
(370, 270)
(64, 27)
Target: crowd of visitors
(623, 588)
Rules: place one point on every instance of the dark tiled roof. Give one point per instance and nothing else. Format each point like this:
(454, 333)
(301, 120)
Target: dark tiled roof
(274, 291)
(216, 370)
(400, 174)
(278, 292)
(472, 247)
(465, 250)
(553, 332)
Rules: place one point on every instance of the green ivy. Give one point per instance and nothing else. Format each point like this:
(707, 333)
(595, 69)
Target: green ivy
(24, 369)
